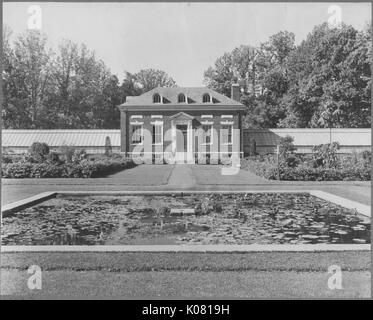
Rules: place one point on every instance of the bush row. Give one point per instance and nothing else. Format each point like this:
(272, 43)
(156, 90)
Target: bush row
(324, 174)
(84, 169)
(267, 167)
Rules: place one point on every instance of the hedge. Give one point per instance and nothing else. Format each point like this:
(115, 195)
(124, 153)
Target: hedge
(84, 169)
(266, 167)
(325, 174)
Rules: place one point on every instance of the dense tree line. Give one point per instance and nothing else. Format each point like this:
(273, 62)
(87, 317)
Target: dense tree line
(325, 81)
(66, 88)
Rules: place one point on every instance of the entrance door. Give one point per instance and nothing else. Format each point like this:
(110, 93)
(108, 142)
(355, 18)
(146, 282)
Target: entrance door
(181, 143)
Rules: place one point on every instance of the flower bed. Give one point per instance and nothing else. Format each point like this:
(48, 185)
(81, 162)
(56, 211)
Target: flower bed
(83, 169)
(266, 166)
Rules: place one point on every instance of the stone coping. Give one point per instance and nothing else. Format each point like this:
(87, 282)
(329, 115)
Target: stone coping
(192, 248)
(25, 203)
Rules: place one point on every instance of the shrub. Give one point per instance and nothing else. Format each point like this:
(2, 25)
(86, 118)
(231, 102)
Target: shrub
(266, 166)
(263, 165)
(326, 155)
(325, 174)
(108, 148)
(286, 146)
(292, 161)
(6, 158)
(287, 156)
(53, 158)
(16, 170)
(67, 153)
(39, 151)
(367, 155)
(84, 169)
(79, 155)
(45, 170)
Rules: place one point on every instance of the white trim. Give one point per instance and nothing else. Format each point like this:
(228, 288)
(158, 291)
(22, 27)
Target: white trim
(206, 116)
(227, 116)
(136, 117)
(156, 116)
(207, 122)
(136, 123)
(228, 123)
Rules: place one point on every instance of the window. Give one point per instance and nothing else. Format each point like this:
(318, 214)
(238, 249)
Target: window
(206, 98)
(207, 133)
(137, 134)
(181, 98)
(226, 134)
(157, 98)
(157, 134)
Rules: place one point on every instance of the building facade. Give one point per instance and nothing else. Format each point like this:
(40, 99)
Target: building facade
(182, 125)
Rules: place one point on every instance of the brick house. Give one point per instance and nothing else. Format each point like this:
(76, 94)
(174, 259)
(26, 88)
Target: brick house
(182, 125)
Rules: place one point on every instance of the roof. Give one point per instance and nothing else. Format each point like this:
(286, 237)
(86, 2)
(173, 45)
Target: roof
(263, 137)
(56, 138)
(170, 96)
(311, 137)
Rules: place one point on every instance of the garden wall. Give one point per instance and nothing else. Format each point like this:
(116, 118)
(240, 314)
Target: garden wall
(93, 141)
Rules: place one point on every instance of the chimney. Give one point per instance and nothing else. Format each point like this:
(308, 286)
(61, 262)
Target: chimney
(235, 92)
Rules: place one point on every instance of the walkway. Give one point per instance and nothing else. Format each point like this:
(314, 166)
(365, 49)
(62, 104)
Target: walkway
(178, 177)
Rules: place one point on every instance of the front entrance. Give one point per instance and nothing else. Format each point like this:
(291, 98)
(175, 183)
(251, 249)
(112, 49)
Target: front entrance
(181, 143)
(182, 138)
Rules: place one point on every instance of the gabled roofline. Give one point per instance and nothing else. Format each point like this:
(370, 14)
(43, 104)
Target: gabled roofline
(181, 107)
(182, 114)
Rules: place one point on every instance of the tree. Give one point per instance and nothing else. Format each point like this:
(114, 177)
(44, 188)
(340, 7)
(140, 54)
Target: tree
(26, 74)
(275, 52)
(330, 79)
(149, 79)
(260, 70)
(220, 77)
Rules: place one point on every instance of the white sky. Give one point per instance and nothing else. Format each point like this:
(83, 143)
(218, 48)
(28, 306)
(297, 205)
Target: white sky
(183, 39)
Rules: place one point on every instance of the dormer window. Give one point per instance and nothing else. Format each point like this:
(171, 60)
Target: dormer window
(206, 98)
(181, 98)
(156, 98)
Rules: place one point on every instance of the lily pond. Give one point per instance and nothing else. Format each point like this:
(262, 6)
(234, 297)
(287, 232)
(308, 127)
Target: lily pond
(185, 219)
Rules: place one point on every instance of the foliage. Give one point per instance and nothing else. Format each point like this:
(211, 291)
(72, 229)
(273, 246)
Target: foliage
(325, 174)
(83, 169)
(79, 155)
(64, 88)
(325, 81)
(66, 153)
(149, 79)
(348, 167)
(39, 151)
(325, 155)
(53, 158)
(108, 148)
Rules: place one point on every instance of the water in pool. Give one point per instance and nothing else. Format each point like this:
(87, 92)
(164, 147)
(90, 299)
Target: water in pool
(185, 219)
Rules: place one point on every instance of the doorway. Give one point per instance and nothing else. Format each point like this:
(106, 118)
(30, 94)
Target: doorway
(181, 142)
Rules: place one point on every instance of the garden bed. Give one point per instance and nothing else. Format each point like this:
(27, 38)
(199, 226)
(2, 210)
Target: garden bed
(266, 166)
(83, 169)
(253, 218)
